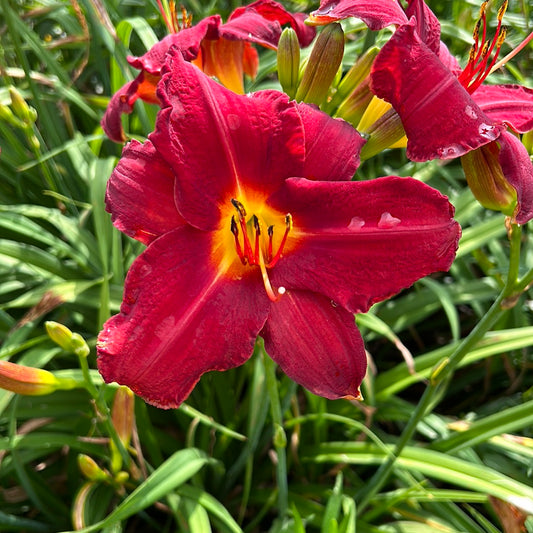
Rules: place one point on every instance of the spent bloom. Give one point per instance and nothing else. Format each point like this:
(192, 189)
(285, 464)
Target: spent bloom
(222, 50)
(253, 228)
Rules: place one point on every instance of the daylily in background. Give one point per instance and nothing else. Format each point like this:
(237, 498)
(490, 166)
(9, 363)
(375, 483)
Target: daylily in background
(248, 234)
(220, 50)
(447, 111)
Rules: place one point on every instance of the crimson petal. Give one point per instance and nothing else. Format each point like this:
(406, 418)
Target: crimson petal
(361, 242)
(376, 14)
(440, 118)
(332, 147)
(140, 194)
(188, 41)
(512, 104)
(253, 143)
(180, 318)
(316, 344)
(269, 11)
(518, 170)
(427, 24)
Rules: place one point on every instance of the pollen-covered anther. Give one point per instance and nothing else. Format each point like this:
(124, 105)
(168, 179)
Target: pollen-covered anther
(257, 248)
(479, 65)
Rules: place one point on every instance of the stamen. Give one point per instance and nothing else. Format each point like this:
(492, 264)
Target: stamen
(238, 248)
(479, 64)
(288, 227)
(257, 244)
(270, 237)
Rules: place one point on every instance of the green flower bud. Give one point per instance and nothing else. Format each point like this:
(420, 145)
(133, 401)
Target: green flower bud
(288, 61)
(69, 341)
(486, 180)
(20, 106)
(322, 66)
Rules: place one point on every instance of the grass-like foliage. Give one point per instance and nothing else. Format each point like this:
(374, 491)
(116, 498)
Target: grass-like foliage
(443, 440)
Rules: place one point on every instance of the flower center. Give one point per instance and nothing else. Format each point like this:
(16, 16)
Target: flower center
(255, 247)
(479, 64)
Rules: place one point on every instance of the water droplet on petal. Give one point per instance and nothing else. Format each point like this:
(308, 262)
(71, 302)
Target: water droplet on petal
(469, 110)
(282, 290)
(488, 131)
(234, 121)
(334, 304)
(448, 152)
(356, 223)
(387, 221)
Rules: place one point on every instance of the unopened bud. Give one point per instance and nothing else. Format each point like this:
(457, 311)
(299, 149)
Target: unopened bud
(527, 141)
(288, 61)
(123, 418)
(383, 128)
(486, 180)
(90, 469)
(20, 106)
(350, 87)
(69, 341)
(31, 381)
(322, 65)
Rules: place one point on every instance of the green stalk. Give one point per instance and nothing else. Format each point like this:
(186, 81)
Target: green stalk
(444, 369)
(279, 437)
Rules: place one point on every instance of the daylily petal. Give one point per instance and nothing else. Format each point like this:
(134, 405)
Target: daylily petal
(121, 102)
(440, 118)
(518, 170)
(252, 142)
(427, 24)
(140, 194)
(188, 41)
(169, 333)
(332, 147)
(449, 61)
(223, 59)
(316, 344)
(244, 22)
(512, 104)
(361, 242)
(376, 14)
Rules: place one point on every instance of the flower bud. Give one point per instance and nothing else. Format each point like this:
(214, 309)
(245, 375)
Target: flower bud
(123, 414)
(20, 106)
(322, 65)
(383, 127)
(90, 469)
(71, 342)
(352, 84)
(486, 180)
(31, 381)
(527, 141)
(288, 61)
(122, 418)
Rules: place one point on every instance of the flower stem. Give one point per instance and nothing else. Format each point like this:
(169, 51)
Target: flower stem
(279, 437)
(443, 370)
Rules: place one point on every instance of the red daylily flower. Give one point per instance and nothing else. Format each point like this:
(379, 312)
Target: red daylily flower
(248, 235)
(220, 50)
(447, 112)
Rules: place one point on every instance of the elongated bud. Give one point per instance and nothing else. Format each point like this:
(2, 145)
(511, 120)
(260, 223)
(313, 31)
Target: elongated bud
(31, 381)
(90, 469)
(383, 127)
(122, 417)
(69, 341)
(20, 106)
(486, 180)
(527, 141)
(288, 61)
(322, 66)
(122, 414)
(350, 87)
